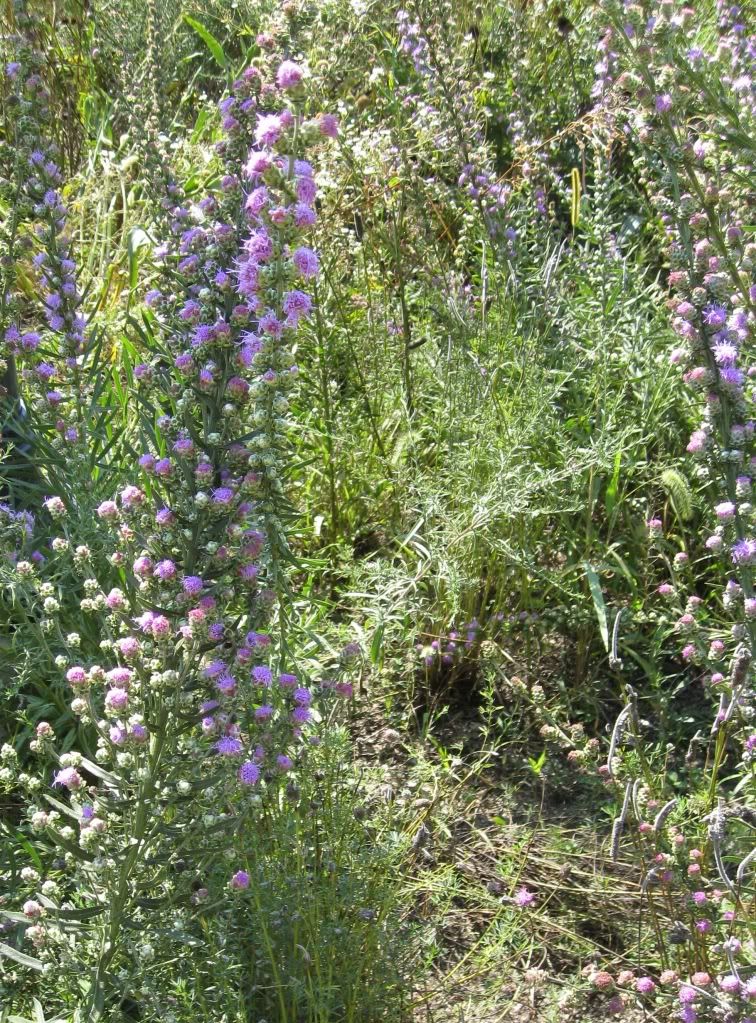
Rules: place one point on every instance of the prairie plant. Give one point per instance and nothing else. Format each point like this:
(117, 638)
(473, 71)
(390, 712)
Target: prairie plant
(692, 120)
(192, 714)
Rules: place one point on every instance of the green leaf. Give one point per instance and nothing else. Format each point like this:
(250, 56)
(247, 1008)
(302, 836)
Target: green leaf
(576, 193)
(598, 602)
(679, 492)
(209, 40)
(613, 486)
(202, 118)
(20, 957)
(136, 241)
(61, 806)
(536, 766)
(76, 851)
(376, 645)
(98, 772)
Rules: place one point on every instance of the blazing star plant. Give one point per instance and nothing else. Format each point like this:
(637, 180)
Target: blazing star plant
(692, 121)
(192, 708)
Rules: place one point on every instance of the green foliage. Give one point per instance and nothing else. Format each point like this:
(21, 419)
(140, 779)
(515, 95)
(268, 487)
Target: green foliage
(486, 419)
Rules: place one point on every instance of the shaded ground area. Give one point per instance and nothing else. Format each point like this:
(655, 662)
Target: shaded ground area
(478, 836)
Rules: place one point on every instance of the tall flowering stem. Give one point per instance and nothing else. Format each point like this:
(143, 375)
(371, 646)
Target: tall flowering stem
(49, 358)
(195, 717)
(703, 200)
(692, 123)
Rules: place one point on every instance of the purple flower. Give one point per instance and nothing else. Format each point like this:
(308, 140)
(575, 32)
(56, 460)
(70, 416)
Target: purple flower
(306, 190)
(184, 446)
(223, 496)
(296, 304)
(304, 215)
(70, 778)
(240, 880)
(725, 353)
(306, 261)
(259, 246)
(524, 898)
(744, 552)
(120, 676)
(117, 735)
(270, 324)
(268, 130)
(226, 684)
(160, 627)
(192, 584)
(249, 773)
(732, 377)
(663, 103)
(256, 201)
(328, 124)
(143, 566)
(30, 341)
(165, 570)
(190, 311)
(116, 699)
(289, 75)
(248, 573)
(257, 164)
(229, 747)
(715, 316)
(262, 675)
(204, 333)
(131, 497)
(249, 279)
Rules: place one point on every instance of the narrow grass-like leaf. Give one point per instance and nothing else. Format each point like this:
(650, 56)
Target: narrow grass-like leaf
(598, 603)
(209, 40)
(21, 958)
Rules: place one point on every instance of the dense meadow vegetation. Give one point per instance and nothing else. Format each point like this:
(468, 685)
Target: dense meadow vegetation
(377, 540)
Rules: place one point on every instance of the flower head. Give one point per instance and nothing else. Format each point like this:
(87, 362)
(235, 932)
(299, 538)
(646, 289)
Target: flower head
(229, 747)
(289, 75)
(524, 898)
